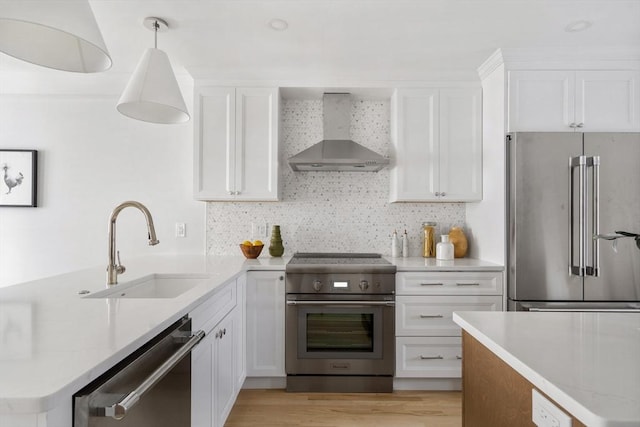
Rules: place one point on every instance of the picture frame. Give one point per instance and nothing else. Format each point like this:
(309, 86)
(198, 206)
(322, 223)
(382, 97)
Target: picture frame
(18, 178)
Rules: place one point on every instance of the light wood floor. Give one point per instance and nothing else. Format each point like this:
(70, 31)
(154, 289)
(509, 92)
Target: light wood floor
(267, 408)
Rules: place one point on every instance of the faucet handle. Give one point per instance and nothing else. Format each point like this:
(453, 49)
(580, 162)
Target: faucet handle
(119, 267)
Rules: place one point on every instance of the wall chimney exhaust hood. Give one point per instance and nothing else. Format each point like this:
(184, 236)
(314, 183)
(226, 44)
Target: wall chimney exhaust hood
(336, 152)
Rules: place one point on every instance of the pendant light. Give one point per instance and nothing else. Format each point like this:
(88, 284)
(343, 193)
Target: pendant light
(152, 94)
(56, 34)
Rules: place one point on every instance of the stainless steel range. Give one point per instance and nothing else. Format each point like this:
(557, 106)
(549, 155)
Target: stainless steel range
(340, 322)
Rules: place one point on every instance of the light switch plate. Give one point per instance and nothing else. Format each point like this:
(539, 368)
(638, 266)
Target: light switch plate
(181, 229)
(545, 413)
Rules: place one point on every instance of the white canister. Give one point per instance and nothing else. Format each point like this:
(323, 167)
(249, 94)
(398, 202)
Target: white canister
(444, 249)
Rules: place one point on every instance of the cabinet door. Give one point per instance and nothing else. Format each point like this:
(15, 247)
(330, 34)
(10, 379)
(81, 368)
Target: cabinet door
(240, 334)
(607, 101)
(224, 365)
(265, 324)
(215, 135)
(202, 383)
(461, 144)
(256, 159)
(541, 101)
(415, 120)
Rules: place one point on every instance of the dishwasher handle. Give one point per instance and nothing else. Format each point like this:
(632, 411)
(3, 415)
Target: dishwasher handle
(119, 410)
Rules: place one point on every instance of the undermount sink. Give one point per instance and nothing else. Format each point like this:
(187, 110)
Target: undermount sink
(153, 286)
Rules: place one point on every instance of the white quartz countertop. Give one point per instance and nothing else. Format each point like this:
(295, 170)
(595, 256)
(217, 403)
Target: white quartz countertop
(589, 363)
(53, 342)
(432, 264)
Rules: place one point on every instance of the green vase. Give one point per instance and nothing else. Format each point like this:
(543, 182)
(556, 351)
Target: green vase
(275, 248)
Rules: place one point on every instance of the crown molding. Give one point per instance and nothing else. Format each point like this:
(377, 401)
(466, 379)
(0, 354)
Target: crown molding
(558, 58)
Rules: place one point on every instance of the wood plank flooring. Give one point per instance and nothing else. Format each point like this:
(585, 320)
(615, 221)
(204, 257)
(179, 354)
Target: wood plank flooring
(270, 408)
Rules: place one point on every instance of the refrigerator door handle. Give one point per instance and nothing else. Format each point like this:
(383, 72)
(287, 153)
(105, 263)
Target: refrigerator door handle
(579, 162)
(593, 270)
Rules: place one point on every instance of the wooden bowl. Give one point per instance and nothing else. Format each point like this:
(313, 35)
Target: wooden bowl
(251, 252)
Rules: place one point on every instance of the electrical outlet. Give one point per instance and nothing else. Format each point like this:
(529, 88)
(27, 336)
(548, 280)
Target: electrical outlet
(545, 413)
(181, 229)
(259, 230)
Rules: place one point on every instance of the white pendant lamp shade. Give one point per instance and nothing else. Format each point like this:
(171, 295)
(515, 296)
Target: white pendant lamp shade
(56, 34)
(153, 94)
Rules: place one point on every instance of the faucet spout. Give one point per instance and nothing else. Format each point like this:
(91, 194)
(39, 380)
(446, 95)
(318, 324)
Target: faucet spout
(114, 267)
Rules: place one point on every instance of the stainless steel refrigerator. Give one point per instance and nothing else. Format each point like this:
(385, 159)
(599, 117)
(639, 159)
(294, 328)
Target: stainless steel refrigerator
(573, 215)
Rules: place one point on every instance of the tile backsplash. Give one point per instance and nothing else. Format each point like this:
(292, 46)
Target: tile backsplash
(329, 211)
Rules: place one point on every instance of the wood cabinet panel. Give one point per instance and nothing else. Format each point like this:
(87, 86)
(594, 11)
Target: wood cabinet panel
(494, 394)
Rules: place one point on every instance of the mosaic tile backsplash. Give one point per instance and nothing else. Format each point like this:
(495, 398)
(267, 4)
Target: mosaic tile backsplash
(329, 211)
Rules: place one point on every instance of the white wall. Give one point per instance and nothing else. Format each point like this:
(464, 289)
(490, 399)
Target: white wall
(91, 158)
(486, 219)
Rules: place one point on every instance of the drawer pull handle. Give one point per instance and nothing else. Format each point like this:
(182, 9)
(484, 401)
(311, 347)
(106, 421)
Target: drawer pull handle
(431, 316)
(431, 357)
(459, 357)
(468, 284)
(431, 284)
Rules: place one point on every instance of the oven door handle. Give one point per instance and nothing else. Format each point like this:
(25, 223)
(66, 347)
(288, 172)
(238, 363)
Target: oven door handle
(342, 303)
(120, 409)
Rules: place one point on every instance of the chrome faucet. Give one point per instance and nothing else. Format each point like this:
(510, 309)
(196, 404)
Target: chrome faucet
(113, 268)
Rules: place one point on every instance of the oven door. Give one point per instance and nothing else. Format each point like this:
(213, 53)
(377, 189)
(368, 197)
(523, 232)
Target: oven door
(340, 337)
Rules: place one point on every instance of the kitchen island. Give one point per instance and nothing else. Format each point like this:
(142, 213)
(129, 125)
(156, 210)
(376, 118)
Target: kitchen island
(587, 363)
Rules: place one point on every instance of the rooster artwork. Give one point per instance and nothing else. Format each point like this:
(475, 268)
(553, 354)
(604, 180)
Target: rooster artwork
(11, 181)
(18, 173)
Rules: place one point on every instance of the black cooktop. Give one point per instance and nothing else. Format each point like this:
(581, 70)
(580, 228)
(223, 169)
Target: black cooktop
(337, 258)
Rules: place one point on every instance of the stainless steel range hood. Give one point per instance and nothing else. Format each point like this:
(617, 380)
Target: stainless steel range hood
(336, 152)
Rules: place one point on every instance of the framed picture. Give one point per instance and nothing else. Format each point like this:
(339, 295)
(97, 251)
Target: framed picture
(19, 172)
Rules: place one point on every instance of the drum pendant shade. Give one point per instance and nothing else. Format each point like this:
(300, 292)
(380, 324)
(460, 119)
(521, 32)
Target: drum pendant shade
(62, 35)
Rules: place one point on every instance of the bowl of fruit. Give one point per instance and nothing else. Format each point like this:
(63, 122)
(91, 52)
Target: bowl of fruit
(251, 249)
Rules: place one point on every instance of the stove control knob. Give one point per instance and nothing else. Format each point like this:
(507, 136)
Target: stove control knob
(364, 285)
(317, 285)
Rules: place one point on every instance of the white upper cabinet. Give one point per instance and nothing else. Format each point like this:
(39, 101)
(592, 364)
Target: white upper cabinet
(236, 150)
(437, 138)
(567, 101)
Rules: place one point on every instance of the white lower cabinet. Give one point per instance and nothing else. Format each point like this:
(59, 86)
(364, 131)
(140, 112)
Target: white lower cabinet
(428, 342)
(265, 325)
(217, 365)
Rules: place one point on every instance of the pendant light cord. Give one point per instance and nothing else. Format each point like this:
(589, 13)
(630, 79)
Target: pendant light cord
(155, 27)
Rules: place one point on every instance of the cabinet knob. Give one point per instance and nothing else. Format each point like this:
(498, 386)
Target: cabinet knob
(572, 125)
(281, 278)
(443, 194)
(437, 194)
(580, 125)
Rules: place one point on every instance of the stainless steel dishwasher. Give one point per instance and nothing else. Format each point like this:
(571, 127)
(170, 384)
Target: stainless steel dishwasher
(151, 387)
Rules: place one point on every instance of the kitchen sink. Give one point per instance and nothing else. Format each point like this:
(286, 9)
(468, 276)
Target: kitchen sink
(153, 286)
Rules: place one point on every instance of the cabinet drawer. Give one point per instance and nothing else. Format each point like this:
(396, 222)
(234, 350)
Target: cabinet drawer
(426, 357)
(209, 313)
(433, 315)
(449, 283)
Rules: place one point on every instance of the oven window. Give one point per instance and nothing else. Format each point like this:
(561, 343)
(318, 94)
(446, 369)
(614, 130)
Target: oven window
(339, 332)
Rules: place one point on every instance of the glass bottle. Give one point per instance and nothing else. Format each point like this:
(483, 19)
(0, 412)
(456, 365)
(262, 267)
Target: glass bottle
(429, 247)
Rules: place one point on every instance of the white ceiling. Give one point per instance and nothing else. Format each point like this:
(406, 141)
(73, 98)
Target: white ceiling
(370, 40)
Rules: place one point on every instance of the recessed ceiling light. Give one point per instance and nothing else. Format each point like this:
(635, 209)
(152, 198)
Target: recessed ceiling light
(278, 24)
(577, 26)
